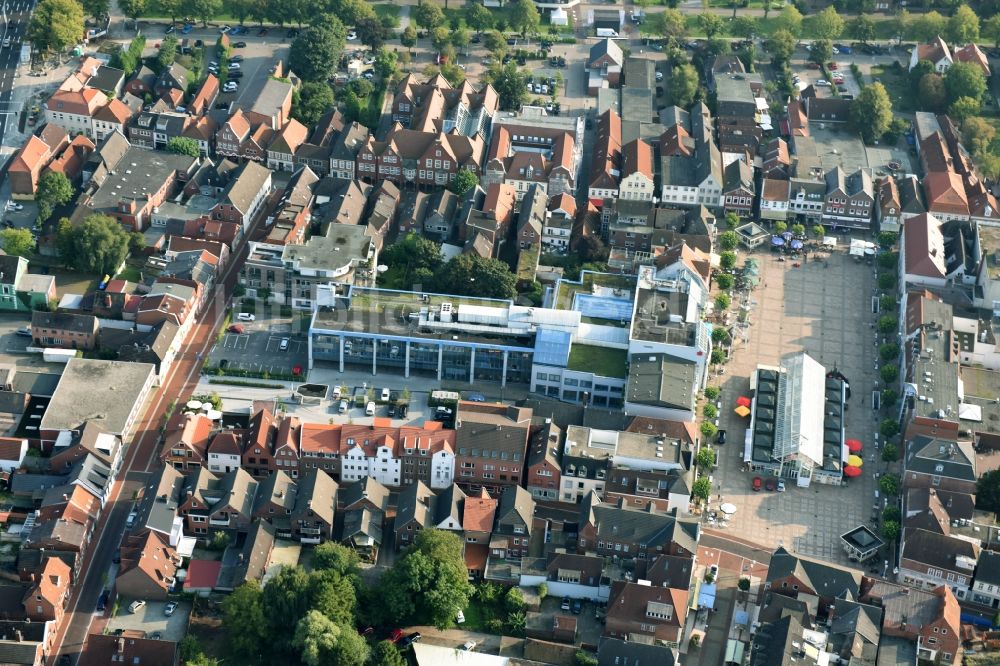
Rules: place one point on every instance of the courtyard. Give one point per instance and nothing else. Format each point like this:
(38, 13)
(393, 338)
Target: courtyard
(822, 307)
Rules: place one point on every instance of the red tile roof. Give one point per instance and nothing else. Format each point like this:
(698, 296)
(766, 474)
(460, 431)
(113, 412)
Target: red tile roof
(202, 574)
(479, 512)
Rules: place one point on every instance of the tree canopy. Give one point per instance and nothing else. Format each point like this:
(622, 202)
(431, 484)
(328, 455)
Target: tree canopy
(524, 16)
(98, 246)
(56, 25)
(464, 181)
(827, 24)
(430, 581)
(311, 101)
(412, 261)
(18, 242)
(871, 112)
(182, 145)
(54, 190)
(509, 82)
(963, 26)
(964, 79)
(472, 275)
(683, 85)
(668, 24)
(316, 51)
(988, 491)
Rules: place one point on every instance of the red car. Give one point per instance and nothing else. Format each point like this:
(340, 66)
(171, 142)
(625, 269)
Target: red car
(832, 66)
(756, 484)
(236, 328)
(812, 65)
(396, 635)
(770, 484)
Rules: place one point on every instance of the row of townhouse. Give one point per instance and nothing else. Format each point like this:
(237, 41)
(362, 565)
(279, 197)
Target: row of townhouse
(619, 170)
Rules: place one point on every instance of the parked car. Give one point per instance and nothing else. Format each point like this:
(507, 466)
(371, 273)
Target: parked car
(396, 635)
(102, 601)
(236, 74)
(392, 411)
(756, 484)
(370, 409)
(236, 328)
(781, 485)
(410, 639)
(169, 608)
(577, 606)
(240, 45)
(246, 316)
(812, 65)
(384, 396)
(469, 646)
(460, 617)
(770, 485)
(720, 438)
(170, 29)
(565, 604)
(401, 412)
(283, 345)
(823, 82)
(130, 521)
(235, 58)
(136, 606)
(351, 35)
(832, 66)
(224, 29)
(234, 66)
(476, 397)
(24, 331)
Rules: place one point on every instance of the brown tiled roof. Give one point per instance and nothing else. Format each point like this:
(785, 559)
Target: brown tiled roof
(114, 111)
(104, 649)
(291, 136)
(479, 512)
(637, 157)
(52, 581)
(500, 201)
(924, 247)
(605, 168)
(209, 89)
(563, 202)
(238, 123)
(191, 430)
(945, 193)
(10, 448)
(81, 102)
(31, 156)
(320, 438)
(934, 50)
(774, 190)
(676, 141)
(974, 54)
(229, 442)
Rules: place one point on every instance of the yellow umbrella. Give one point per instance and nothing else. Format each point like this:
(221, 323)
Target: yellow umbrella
(742, 411)
(856, 461)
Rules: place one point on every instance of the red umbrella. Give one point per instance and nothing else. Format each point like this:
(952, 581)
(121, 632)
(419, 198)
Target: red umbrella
(742, 401)
(852, 471)
(854, 445)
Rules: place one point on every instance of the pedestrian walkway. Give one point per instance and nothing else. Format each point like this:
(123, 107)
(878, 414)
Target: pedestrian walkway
(404, 17)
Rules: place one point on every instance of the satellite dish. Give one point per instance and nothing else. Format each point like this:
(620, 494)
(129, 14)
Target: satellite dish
(382, 268)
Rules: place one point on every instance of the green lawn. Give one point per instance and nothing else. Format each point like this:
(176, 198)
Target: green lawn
(386, 10)
(897, 84)
(599, 360)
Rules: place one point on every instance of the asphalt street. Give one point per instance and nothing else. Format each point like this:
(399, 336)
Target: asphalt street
(16, 15)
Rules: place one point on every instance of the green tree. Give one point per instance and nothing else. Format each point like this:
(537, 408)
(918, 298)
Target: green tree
(744, 26)
(316, 51)
(799, 229)
(133, 9)
(315, 638)
(332, 595)
(927, 26)
(890, 529)
(98, 246)
(964, 79)
(710, 411)
(509, 82)
(887, 302)
(900, 24)
(385, 653)
(887, 239)
(891, 513)
(871, 112)
(889, 351)
(18, 242)
(890, 453)
(705, 459)
(720, 335)
(888, 261)
(991, 30)
(523, 16)
(412, 261)
(779, 227)
(311, 101)
(54, 190)
(472, 275)
(336, 557)
(729, 241)
(782, 46)
(887, 323)
(408, 38)
(862, 29)
(56, 25)
(730, 221)
(464, 181)
(702, 488)
(978, 133)
(478, 17)
(718, 356)
(725, 281)
(430, 581)
(821, 51)
(240, 9)
(668, 24)
(727, 260)
(428, 15)
(889, 484)
(889, 373)
(789, 19)
(243, 619)
(708, 429)
(711, 24)
(963, 26)
(371, 32)
(887, 281)
(95, 8)
(818, 230)
(182, 145)
(711, 392)
(964, 108)
(827, 24)
(683, 85)
(167, 53)
(988, 491)
(171, 8)
(722, 302)
(205, 10)
(888, 427)
(287, 599)
(440, 37)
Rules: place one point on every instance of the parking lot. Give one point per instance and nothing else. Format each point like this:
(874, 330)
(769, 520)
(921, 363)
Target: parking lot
(150, 619)
(825, 311)
(259, 347)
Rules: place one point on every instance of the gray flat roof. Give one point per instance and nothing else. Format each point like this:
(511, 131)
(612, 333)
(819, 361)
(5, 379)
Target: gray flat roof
(104, 392)
(140, 172)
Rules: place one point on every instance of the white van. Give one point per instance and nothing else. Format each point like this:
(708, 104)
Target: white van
(370, 409)
(607, 32)
(336, 393)
(343, 407)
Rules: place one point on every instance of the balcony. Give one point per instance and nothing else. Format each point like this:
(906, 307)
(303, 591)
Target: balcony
(219, 522)
(310, 531)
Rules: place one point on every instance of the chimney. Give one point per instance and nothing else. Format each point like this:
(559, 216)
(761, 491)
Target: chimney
(18, 636)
